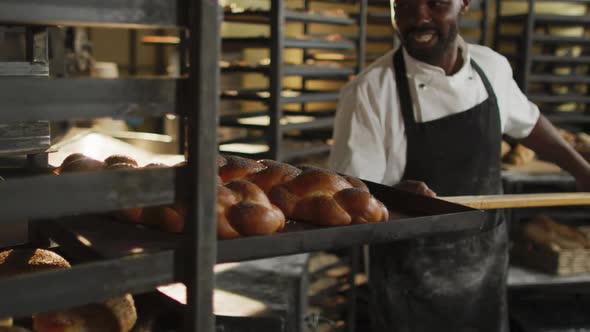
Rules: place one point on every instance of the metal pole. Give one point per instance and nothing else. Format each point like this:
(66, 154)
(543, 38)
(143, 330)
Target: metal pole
(528, 46)
(485, 10)
(306, 7)
(275, 105)
(362, 37)
(497, 24)
(132, 52)
(354, 267)
(200, 104)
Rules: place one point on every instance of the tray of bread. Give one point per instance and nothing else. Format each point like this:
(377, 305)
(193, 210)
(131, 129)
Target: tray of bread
(553, 247)
(265, 209)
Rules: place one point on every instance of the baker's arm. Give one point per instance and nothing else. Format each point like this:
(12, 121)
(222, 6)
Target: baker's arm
(546, 141)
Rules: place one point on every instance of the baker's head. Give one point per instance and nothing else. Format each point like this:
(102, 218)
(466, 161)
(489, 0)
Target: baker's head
(428, 28)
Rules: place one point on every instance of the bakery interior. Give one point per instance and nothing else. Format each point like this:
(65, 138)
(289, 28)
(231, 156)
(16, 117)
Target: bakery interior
(112, 113)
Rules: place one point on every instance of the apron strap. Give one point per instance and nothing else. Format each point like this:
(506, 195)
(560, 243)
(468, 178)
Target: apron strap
(403, 89)
(485, 80)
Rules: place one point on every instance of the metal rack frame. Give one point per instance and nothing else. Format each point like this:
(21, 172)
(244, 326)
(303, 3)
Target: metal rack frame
(525, 59)
(63, 99)
(277, 43)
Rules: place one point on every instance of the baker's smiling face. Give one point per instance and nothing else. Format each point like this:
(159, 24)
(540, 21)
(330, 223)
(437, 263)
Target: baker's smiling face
(428, 28)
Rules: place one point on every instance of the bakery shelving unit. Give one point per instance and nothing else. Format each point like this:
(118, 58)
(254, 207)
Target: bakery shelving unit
(530, 44)
(552, 76)
(45, 197)
(274, 121)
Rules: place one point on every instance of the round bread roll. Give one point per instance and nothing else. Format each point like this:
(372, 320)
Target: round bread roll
(20, 261)
(69, 159)
(119, 159)
(81, 165)
(114, 315)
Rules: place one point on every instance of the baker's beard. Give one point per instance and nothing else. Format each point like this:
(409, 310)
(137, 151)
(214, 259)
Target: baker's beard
(436, 52)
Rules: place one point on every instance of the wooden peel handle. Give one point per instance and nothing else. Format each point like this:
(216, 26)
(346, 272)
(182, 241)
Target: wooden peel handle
(490, 202)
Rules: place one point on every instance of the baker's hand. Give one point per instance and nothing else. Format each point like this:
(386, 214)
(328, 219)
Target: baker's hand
(416, 187)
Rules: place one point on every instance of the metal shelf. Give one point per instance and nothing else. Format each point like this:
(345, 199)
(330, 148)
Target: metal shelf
(519, 277)
(560, 39)
(564, 79)
(561, 59)
(263, 17)
(567, 117)
(84, 98)
(22, 138)
(546, 98)
(308, 71)
(112, 13)
(311, 150)
(51, 196)
(23, 69)
(264, 96)
(548, 19)
(264, 42)
(539, 179)
(412, 216)
(257, 148)
(85, 283)
(263, 122)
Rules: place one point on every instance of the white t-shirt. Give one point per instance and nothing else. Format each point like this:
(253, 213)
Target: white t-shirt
(369, 134)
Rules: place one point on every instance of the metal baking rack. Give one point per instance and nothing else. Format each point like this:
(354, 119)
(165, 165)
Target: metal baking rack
(549, 77)
(271, 133)
(411, 216)
(43, 197)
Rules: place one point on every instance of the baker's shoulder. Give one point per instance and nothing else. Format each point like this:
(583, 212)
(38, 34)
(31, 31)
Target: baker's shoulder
(375, 77)
(487, 58)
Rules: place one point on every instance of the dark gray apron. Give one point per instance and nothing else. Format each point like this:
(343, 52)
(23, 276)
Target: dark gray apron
(452, 282)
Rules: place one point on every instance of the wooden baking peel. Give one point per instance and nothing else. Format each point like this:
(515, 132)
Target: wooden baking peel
(490, 202)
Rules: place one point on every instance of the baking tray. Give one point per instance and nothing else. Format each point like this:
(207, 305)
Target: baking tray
(411, 216)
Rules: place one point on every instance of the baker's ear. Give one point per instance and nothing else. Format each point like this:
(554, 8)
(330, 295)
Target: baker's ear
(465, 6)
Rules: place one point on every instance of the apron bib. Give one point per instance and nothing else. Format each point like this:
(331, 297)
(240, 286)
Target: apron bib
(454, 282)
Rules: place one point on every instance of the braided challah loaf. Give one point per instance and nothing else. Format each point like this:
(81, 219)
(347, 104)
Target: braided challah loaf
(244, 210)
(310, 194)
(324, 198)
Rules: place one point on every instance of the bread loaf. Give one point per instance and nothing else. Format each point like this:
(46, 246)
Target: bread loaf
(324, 198)
(79, 164)
(113, 315)
(120, 159)
(21, 261)
(543, 230)
(519, 155)
(244, 210)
